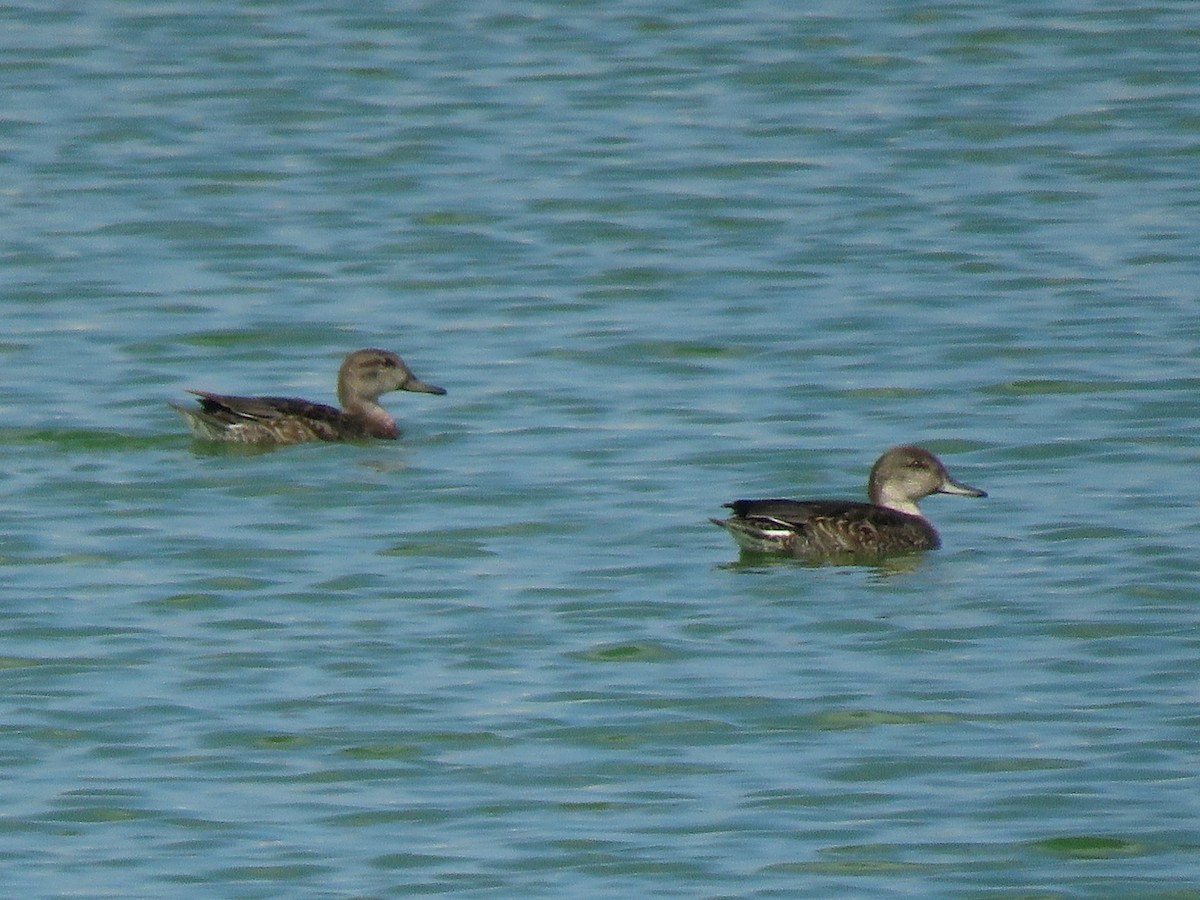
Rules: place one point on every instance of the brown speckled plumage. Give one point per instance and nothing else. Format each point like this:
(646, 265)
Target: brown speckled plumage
(363, 376)
(889, 523)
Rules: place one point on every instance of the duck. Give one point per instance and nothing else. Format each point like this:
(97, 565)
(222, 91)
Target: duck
(889, 523)
(362, 377)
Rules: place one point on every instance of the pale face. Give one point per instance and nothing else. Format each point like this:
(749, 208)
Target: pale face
(903, 475)
(366, 374)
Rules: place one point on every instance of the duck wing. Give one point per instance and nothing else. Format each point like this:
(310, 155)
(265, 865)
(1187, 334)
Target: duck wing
(234, 409)
(837, 526)
(797, 513)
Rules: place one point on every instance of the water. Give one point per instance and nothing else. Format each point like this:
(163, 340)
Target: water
(661, 257)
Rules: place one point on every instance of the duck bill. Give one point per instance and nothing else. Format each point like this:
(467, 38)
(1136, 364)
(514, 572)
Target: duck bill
(962, 490)
(416, 384)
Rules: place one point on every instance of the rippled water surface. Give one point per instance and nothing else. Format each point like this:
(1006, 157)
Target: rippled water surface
(661, 256)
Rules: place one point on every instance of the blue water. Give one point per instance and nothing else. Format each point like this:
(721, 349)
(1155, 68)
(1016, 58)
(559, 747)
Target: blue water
(661, 257)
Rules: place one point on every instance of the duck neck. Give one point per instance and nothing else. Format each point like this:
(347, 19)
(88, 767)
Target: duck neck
(378, 422)
(881, 496)
(348, 398)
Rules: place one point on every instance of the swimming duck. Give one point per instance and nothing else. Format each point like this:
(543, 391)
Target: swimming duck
(889, 523)
(363, 376)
